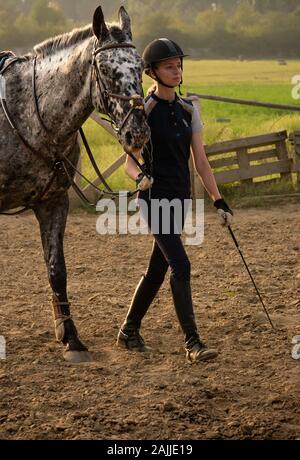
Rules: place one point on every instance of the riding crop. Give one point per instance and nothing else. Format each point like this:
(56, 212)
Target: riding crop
(251, 277)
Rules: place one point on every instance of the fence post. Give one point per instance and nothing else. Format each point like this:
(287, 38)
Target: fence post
(281, 148)
(244, 164)
(197, 188)
(295, 139)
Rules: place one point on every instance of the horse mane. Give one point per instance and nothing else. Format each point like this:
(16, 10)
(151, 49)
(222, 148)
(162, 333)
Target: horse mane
(63, 41)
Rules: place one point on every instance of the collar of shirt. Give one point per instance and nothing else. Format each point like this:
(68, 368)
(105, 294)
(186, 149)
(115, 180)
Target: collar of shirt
(165, 101)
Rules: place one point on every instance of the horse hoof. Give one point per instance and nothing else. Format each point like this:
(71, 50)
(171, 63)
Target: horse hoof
(76, 357)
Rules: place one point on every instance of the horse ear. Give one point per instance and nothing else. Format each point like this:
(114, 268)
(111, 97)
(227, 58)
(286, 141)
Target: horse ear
(125, 22)
(99, 26)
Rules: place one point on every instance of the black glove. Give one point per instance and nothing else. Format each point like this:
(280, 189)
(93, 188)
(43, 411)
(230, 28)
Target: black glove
(224, 212)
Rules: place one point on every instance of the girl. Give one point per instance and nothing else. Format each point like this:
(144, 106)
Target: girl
(175, 131)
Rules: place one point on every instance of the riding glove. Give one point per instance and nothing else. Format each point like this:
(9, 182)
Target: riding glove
(224, 212)
(143, 182)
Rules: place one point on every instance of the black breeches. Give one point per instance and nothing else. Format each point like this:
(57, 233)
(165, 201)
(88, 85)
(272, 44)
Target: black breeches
(168, 249)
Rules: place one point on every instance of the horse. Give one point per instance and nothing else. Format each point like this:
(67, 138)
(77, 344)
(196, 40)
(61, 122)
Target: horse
(49, 93)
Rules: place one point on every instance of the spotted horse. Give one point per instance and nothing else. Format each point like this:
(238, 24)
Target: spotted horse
(46, 96)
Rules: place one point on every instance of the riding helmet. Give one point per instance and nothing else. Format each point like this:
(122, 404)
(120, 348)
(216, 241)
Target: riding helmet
(160, 50)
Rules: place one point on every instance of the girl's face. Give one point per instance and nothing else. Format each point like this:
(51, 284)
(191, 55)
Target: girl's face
(169, 71)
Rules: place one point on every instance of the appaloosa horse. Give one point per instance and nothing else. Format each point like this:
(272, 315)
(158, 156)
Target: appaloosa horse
(47, 97)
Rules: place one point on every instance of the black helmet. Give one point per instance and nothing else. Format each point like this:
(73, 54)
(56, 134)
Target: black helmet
(159, 50)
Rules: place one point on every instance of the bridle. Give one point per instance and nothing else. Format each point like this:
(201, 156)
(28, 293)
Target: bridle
(136, 100)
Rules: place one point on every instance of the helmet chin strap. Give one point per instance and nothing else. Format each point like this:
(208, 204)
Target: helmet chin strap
(164, 84)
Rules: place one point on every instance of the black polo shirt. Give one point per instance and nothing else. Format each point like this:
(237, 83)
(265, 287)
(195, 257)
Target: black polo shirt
(172, 125)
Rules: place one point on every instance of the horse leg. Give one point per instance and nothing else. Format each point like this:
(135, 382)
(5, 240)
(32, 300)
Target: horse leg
(52, 217)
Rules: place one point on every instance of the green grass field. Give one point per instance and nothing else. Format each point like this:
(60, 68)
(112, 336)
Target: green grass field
(257, 80)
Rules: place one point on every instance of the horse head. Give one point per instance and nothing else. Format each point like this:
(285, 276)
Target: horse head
(116, 87)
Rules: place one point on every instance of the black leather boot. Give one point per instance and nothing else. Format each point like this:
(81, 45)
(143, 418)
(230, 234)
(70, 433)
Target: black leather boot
(131, 340)
(196, 350)
(182, 297)
(129, 336)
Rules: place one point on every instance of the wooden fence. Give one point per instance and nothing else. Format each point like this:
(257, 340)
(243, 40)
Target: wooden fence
(244, 161)
(294, 138)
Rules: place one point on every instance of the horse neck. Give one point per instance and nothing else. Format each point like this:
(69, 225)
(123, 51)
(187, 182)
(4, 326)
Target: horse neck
(63, 88)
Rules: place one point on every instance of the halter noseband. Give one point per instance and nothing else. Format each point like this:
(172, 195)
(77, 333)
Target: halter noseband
(136, 101)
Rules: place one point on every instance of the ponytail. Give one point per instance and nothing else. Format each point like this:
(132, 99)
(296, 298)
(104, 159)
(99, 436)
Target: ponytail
(152, 89)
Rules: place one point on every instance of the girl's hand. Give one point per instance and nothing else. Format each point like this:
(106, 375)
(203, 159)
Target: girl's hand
(143, 182)
(224, 212)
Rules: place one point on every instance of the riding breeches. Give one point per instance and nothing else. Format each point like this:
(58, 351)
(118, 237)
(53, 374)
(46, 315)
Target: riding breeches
(166, 224)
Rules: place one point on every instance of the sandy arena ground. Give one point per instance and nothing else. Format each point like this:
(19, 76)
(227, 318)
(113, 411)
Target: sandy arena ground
(251, 391)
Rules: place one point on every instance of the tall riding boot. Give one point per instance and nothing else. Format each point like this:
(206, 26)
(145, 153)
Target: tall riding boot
(196, 350)
(129, 336)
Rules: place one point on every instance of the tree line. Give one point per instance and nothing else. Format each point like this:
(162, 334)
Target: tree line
(204, 28)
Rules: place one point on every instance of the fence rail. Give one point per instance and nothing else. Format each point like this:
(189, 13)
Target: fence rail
(250, 158)
(238, 160)
(231, 100)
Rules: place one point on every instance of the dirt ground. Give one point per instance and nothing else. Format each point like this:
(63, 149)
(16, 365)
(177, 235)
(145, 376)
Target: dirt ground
(251, 391)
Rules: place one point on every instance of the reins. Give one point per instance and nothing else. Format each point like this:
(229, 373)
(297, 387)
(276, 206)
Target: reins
(136, 102)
